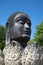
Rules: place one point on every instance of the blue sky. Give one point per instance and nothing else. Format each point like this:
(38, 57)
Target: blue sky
(34, 8)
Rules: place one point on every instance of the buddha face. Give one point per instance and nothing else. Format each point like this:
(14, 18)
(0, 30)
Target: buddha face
(20, 27)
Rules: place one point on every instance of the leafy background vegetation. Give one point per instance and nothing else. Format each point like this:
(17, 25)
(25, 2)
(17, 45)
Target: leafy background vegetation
(2, 37)
(38, 36)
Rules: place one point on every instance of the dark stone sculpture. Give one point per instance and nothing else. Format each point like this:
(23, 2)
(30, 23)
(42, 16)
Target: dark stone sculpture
(16, 51)
(18, 28)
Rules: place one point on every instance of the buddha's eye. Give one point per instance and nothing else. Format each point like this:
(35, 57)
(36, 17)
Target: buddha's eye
(21, 22)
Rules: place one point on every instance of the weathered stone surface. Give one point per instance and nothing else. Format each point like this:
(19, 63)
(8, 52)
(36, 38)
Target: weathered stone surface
(1, 58)
(32, 55)
(41, 58)
(12, 54)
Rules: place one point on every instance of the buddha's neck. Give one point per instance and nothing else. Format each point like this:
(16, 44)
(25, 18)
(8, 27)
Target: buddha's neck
(23, 44)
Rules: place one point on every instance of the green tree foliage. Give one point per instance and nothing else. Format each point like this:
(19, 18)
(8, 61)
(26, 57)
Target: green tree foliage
(39, 34)
(2, 37)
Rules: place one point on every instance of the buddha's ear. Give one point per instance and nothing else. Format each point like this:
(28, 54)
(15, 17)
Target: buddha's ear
(7, 34)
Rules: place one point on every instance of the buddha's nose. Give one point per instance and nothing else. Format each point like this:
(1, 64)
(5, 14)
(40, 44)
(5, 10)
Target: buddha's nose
(26, 26)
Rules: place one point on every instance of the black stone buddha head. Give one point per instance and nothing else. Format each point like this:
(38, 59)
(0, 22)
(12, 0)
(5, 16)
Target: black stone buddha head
(18, 27)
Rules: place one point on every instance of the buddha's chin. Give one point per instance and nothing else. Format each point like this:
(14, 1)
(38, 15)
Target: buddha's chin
(23, 38)
(25, 35)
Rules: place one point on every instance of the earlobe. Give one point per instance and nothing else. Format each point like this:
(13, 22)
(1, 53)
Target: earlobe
(7, 36)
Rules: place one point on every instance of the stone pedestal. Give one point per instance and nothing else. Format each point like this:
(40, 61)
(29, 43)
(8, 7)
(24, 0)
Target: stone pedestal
(14, 54)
